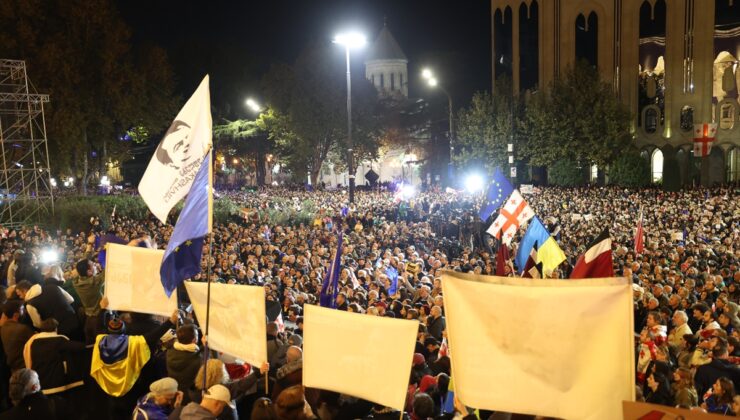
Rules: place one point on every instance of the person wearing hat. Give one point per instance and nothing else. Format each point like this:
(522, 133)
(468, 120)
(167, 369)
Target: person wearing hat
(163, 397)
(214, 401)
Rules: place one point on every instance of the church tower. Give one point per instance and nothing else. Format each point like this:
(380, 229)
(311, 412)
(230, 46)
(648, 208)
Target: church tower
(386, 66)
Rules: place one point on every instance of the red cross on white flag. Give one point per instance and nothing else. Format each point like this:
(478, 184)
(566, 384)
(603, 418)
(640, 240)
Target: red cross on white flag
(703, 137)
(515, 213)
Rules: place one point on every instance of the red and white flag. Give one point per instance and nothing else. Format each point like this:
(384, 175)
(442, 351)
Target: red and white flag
(444, 349)
(703, 138)
(597, 261)
(515, 212)
(639, 236)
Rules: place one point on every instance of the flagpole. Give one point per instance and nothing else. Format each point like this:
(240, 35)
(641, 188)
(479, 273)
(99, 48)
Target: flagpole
(208, 268)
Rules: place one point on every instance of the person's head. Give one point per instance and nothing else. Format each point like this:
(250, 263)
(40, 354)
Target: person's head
(709, 316)
(423, 406)
(13, 310)
(736, 404)
(174, 149)
(436, 311)
(22, 288)
(291, 404)
(724, 390)
(680, 318)
(54, 272)
(263, 409)
(294, 353)
(215, 374)
(683, 377)
(187, 334)
(720, 349)
(216, 399)
(85, 268)
(49, 325)
(163, 391)
(23, 382)
(653, 319)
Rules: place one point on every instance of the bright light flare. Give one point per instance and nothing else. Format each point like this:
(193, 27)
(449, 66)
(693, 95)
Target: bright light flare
(49, 256)
(253, 105)
(407, 191)
(474, 183)
(432, 82)
(427, 74)
(350, 39)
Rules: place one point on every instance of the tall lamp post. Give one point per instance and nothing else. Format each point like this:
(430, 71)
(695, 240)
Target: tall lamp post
(349, 41)
(433, 82)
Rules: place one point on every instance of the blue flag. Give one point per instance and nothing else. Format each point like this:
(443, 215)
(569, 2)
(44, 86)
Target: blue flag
(328, 298)
(536, 234)
(498, 192)
(182, 258)
(392, 274)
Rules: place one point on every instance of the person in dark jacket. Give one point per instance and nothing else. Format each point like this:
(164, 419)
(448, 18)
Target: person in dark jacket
(184, 358)
(158, 404)
(55, 359)
(436, 323)
(49, 301)
(658, 390)
(291, 374)
(707, 375)
(29, 403)
(14, 334)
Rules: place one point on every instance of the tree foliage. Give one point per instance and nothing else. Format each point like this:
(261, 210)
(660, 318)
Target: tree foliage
(565, 173)
(79, 52)
(246, 139)
(484, 129)
(630, 170)
(309, 118)
(578, 119)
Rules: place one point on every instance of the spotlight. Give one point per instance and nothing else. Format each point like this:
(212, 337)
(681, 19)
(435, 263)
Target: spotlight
(49, 256)
(474, 183)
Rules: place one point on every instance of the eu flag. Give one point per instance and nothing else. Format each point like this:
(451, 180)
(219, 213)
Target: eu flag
(328, 297)
(181, 260)
(498, 192)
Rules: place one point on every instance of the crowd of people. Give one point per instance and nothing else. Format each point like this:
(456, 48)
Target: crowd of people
(65, 355)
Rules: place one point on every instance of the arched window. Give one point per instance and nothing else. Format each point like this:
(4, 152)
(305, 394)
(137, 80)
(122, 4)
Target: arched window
(733, 165)
(651, 120)
(594, 173)
(382, 81)
(727, 116)
(656, 165)
(687, 118)
(393, 81)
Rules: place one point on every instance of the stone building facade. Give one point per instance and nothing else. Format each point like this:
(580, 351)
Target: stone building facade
(674, 63)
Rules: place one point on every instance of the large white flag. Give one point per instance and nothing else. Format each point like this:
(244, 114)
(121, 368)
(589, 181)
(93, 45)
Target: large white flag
(172, 169)
(132, 280)
(513, 214)
(237, 323)
(364, 356)
(546, 347)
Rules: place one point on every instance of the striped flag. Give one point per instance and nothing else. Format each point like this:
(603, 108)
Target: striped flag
(597, 261)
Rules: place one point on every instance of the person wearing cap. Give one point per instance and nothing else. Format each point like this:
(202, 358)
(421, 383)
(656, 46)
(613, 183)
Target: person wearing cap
(214, 401)
(158, 404)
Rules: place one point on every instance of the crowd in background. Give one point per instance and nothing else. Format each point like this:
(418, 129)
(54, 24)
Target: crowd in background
(686, 285)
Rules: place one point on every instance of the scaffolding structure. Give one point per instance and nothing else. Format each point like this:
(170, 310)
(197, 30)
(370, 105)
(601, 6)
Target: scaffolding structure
(25, 181)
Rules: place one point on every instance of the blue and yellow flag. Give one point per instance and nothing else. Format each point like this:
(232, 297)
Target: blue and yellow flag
(117, 362)
(181, 260)
(548, 253)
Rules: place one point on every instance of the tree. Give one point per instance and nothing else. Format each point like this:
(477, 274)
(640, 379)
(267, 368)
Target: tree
(309, 120)
(484, 129)
(579, 119)
(245, 138)
(630, 170)
(103, 93)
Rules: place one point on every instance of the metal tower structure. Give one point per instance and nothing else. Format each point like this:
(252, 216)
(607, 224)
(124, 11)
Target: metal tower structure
(25, 180)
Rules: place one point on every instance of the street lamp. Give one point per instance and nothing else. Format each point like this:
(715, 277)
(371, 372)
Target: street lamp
(350, 40)
(432, 81)
(253, 105)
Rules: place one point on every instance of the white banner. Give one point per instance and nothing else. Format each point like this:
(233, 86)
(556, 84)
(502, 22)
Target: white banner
(132, 281)
(555, 348)
(526, 189)
(179, 155)
(237, 324)
(364, 356)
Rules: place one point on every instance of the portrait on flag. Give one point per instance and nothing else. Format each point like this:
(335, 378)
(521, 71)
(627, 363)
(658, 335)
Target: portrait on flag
(237, 319)
(176, 161)
(132, 281)
(363, 356)
(569, 354)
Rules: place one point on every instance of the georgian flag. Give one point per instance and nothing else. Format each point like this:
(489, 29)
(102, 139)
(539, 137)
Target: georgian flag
(703, 137)
(515, 212)
(597, 261)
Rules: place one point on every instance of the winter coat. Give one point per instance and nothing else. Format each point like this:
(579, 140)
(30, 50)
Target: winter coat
(35, 406)
(287, 376)
(57, 360)
(194, 411)
(708, 374)
(146, 409)
(237, 389)
(183, 362)
(14, 336)
(686, 397)
(436, 326)
(51, 301)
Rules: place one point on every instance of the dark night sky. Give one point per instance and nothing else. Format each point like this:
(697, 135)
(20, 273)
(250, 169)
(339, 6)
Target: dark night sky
(237, 41)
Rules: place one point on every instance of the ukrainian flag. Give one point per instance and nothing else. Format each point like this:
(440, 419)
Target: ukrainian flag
(117, 362)
(549, 253)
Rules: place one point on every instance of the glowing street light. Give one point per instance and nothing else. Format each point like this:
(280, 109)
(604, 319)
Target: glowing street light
(253, 105)
(427, 74)
(474, 183)
(350, 40)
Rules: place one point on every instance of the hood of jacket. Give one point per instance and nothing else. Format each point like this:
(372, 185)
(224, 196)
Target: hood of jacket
(291, 367)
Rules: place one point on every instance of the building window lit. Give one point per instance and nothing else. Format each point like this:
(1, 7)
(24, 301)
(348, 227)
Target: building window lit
(594, 173)
(656, 166)
(726, 116)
